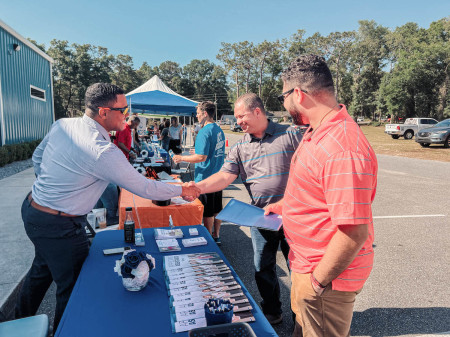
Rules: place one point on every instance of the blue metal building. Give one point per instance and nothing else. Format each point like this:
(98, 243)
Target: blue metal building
(26, 89)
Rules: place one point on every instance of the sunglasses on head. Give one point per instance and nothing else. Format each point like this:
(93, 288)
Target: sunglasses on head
(122, 110)
(285, 94)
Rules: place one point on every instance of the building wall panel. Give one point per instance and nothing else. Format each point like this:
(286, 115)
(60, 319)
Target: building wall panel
(24, 117)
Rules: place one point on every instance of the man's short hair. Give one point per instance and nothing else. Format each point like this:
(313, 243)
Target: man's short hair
(310, 73)
(209, 107)
(251, 101)
(101, 95)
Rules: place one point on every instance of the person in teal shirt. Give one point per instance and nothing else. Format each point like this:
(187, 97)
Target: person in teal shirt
(208, 158)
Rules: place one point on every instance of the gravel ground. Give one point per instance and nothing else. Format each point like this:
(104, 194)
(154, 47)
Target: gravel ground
(16, 167)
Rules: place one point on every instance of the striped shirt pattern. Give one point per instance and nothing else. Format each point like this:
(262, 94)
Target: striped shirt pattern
(263, 164)
(332, 182)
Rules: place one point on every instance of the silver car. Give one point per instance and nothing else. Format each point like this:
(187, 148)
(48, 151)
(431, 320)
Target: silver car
(438, 134)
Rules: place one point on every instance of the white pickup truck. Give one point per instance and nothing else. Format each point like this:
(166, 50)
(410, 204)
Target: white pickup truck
(410, 128)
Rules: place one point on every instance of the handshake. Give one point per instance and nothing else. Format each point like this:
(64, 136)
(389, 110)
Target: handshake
(190, 191)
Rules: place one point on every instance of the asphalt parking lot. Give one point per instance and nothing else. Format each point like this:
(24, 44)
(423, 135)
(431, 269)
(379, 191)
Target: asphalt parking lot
(407, 293)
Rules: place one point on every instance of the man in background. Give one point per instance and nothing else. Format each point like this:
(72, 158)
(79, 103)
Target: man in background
(208, 158)
(261, 158)
(327, 207)
(124, 138)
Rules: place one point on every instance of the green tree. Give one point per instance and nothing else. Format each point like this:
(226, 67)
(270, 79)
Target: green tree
(64, 76)
(368, 56)
(123, 73)
(416, 84)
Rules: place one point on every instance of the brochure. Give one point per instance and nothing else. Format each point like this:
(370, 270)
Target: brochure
(161, 234)
(200, 280)
(243, 214)
(190, 260)
(192, 242)
(189, 324)
(168, 245)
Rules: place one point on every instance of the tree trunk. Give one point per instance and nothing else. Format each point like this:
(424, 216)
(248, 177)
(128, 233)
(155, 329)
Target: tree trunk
(260, 77)
(247, 80)
(237, 82)
(68, 99)
(337, 78)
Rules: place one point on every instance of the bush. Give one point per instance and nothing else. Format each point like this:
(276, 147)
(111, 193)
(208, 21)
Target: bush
(27, 150)
(4, 156)
(11, 153)
(15, 152)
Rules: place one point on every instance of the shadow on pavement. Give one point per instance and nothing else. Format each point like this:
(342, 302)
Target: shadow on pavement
(379, 322)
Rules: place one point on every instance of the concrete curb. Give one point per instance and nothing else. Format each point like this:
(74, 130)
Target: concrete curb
(8, 306)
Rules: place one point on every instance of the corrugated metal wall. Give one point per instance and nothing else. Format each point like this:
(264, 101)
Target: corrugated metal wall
(24, 118)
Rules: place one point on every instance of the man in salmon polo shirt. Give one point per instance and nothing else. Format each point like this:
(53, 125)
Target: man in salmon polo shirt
(327, 206)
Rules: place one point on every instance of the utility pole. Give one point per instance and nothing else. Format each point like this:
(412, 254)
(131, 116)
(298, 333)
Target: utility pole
(215, 103)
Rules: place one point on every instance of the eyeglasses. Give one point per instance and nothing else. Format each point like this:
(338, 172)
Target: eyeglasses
(122, 110)
(285, 94)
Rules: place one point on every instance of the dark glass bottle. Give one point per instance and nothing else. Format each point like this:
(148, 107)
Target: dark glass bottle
(128, 226)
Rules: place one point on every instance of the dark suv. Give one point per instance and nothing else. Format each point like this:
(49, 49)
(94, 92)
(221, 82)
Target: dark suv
(438, 134)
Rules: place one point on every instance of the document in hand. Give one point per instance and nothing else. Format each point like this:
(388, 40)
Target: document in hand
(243, 214)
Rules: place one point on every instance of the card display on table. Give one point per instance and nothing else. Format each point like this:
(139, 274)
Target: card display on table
(192, 279)
(243, 214)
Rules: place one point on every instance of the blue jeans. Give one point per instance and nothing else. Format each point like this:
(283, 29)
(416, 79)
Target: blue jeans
(110, 200)
(60, 247)
(265, 247)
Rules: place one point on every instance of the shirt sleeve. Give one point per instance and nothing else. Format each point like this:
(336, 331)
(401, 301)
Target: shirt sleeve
(124, 175)
(202, 143)
(348, 180)
(39, 152)
(295, 136)
(124, 137)
(232, 161)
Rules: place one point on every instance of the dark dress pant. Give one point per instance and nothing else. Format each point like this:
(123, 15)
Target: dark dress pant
(265, 247)
(61, 246)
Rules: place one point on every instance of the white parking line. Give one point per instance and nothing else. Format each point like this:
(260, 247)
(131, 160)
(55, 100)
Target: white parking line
(392, 172)
(409, 216)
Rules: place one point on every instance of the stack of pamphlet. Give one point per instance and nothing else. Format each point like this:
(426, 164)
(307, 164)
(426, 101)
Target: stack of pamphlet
(192, 242)
(161, 234)
(168, 245)
(192, 279)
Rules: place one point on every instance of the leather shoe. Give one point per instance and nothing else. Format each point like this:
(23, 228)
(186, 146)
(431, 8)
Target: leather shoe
(274, 319)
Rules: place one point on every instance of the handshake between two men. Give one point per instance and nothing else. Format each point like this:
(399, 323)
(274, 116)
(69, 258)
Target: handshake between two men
(190, 191)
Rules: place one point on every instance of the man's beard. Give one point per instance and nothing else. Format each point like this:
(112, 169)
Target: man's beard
(296, 117)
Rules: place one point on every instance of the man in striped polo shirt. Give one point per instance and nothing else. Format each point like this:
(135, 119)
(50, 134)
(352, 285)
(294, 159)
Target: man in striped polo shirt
(261, 158)
(327, 207)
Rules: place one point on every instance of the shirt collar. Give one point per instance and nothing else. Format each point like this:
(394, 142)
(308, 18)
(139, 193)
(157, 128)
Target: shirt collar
(323, 129)
(268, 132)
(88, 120)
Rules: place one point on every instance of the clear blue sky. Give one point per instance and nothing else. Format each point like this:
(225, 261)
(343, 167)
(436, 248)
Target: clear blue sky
(183, 30)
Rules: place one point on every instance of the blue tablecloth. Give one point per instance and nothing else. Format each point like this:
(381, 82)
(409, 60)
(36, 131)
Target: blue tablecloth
(100, 305)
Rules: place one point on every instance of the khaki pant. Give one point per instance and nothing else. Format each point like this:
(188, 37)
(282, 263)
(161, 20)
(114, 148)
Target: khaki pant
(327, 315)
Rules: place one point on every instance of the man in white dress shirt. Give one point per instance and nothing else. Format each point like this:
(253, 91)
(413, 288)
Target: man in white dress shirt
(73, 165)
